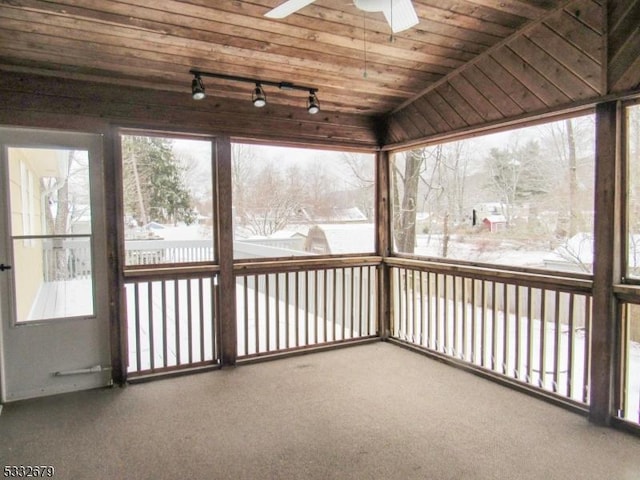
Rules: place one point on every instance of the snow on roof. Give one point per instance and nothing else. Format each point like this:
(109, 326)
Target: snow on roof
(286, 234)
(495, 218)
(336, 214)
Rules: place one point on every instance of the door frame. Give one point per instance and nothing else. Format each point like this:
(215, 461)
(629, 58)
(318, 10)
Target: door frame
(101, 267)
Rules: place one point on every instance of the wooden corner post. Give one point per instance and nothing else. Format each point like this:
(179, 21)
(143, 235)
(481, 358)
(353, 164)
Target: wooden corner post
(607, 262)
(383, 242)
(224, 242)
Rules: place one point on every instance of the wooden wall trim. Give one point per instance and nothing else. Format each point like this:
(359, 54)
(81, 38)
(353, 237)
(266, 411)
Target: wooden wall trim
(31, 97)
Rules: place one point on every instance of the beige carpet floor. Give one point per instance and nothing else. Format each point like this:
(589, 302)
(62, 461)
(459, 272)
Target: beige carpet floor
(375, 411)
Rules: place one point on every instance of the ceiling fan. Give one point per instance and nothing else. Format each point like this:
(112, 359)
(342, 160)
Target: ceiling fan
(400, 14)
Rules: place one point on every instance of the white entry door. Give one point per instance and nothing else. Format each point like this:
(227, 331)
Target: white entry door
(53, 289)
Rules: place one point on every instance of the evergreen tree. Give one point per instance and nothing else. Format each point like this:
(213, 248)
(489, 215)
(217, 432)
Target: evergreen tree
(154, 185)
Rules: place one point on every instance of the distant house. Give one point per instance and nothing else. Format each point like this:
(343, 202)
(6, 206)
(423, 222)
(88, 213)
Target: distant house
(340, 238)
(495, 223)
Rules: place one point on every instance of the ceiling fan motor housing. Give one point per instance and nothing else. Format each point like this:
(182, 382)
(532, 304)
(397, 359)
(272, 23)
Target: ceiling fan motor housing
(371, 5)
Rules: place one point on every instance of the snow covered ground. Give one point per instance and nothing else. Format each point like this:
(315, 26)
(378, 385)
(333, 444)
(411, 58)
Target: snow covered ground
(474, 249)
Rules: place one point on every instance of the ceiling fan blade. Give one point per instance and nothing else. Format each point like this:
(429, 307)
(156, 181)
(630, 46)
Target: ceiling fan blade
(404, 15)
(287, 8)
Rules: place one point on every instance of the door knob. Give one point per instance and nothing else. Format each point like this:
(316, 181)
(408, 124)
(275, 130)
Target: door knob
(4, 267)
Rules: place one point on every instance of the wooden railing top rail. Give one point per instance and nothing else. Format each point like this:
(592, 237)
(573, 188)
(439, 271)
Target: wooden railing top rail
(282, 266)
(630, 293)
(164, 271)
(153, 272)
(536, 280)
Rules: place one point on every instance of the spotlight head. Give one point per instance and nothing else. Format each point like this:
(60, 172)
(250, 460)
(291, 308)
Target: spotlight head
(197, 88)
(313, 105)
(258, 96)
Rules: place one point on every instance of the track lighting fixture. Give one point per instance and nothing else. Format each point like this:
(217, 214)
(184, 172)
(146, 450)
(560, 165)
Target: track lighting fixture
(197, 88)
(313, 105)
(258, 96)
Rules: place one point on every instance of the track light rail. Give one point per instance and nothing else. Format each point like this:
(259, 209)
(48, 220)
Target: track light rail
(235, 78)
(259, 98)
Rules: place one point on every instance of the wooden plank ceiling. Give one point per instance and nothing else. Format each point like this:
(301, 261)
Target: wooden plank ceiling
(466, 63)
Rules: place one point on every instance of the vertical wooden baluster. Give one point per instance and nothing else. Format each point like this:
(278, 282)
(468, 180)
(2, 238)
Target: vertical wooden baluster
(325, 304)
(446, 320)
(189, 322)
(201, 310)
(436, 287)
(315, 307)
(335, 302)
(176, 312)
(286, 313)
(245, 295)
(517, 363)
(464, 352)
(277, 311)
(543, 339)
(344, 303)
(136, 298)
(306, 308)
(297, 309)
(371, 281)
(474, 299)
(421, 335)
(506, 330)
(152, 364)
(352, 301)
(494, 327)
(587, 349)
(557, 344)
(267, 313)
(256, 311)
(483, 324)
(360, 302)
(570, 340)
(455, 349)
(165, 320)
(530, 335)
(216, 349)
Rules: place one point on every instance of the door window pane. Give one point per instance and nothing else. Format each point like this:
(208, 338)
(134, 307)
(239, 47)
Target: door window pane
(168, 207)
(51, 228)
(633, 190)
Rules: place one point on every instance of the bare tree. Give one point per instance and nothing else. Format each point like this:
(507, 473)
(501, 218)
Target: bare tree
(406, 176)
(243, 174)
(516, 173)
(362, 180)
(66, 199)
(273, 203)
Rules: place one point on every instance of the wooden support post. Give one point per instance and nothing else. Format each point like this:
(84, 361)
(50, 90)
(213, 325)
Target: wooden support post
(607, 262)
(383, 242)
(224, 242)
(115, 252)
